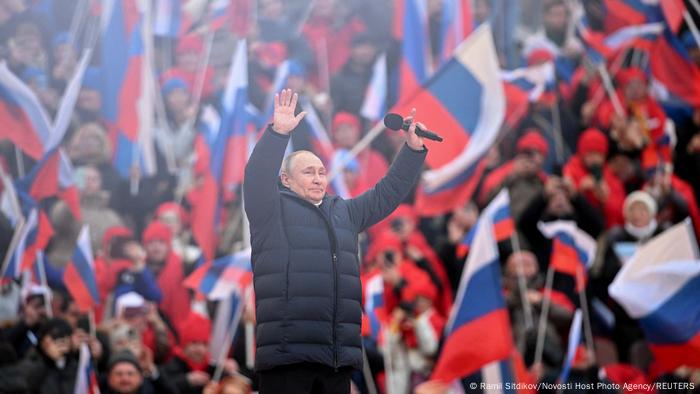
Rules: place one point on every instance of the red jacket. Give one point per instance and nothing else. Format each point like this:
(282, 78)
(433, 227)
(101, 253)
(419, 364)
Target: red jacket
(612, 206)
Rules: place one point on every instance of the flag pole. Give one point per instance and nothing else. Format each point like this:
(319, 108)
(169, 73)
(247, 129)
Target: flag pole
(324, 77)
(304, 17)
(77, 21)
(231, 332)
(20, 162)
(691, 24)
(588, 331)
(135, 172)
(13, 244)
(367, 373)
(201, 74)
(556, 120)
(359, 147)
(610, 90)
(542, 328)
(91, 323)
(522, 285)
(44, 283)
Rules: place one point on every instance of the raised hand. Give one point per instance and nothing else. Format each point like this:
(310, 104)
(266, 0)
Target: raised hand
(283, 120)
(412, 139)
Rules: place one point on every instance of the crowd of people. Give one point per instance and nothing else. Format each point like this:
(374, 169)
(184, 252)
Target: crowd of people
(623, 175)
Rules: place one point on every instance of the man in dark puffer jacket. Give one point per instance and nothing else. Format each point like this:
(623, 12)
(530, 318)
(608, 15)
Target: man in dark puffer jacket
(305, 265)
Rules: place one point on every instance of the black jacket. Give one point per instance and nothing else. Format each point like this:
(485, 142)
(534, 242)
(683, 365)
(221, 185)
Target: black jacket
(44, 377)
(305, 264)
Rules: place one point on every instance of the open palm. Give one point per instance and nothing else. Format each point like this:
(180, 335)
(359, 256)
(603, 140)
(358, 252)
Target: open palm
(284, 120)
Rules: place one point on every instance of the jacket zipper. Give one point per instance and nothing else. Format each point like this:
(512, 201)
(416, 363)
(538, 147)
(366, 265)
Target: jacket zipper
(334, 260)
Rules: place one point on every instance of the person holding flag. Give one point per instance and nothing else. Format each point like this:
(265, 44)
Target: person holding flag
(304, 257)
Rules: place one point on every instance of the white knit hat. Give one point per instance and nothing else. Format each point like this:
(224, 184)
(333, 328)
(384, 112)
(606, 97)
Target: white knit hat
(643, 197)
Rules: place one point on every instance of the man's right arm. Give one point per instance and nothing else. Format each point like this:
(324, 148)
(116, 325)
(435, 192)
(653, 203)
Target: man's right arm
(260, 180)
(260, 190)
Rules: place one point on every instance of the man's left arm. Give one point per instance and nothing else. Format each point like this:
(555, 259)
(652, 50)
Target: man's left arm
(378, 202)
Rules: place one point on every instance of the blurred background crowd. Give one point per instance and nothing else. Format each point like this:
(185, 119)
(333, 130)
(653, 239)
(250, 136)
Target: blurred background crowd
(610, 143)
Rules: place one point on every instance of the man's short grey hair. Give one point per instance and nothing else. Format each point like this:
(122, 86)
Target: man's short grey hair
(288, 161)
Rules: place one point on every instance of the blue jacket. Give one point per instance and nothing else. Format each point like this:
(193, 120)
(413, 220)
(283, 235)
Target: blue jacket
(305, 259)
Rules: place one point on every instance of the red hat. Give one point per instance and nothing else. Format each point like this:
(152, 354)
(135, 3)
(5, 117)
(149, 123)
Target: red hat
(422, 288)
(157, 231)
(386, 240)
(113, 232)
(592, 140)
(195, 328)
(191, 43)
(624, 77)
(173, 207)
(539, 56)
(533, 140)
(342, 118)
(271, 53)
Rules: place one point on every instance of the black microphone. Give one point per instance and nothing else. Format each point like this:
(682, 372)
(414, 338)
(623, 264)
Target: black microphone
(396, 122)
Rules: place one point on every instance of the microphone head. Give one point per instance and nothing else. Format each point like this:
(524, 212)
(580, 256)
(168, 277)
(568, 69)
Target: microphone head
(393, 121)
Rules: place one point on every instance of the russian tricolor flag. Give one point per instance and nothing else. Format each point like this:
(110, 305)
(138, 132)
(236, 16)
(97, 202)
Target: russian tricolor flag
(622, 13)
(222, 151)
(86, 379)
(508, 376)
(503, 225)
(127, 102)
(455, 27)
(674, 71)
(168, 18)
(478, 330)
(574, 343)
(534, 80)
(280, 82)
(660, 287)
(414, 68)
(32, 236)
(52, 176)
(79, 275)
(219, 278)
(374, 105)
(573, 250)
(228, 315)
(374, 304)
(465, 103)
(9, 203)
(25, 122)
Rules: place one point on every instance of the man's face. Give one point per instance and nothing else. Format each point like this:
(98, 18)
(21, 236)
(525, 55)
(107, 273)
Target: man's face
(525, 261)
(89, 100)
(124, 378)
(307, 177)
(172, 220)
(196, 351)
(93, 181)
(638, 215)
(635, 90)
(363, 54)
(555, 18)
(157, 250)
(177, 100)
(346, 135)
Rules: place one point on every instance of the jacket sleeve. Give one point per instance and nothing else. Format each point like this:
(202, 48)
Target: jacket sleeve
(260, 190)
(378, 202)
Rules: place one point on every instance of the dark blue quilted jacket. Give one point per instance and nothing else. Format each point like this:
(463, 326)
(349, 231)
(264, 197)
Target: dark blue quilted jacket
(305, 260)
